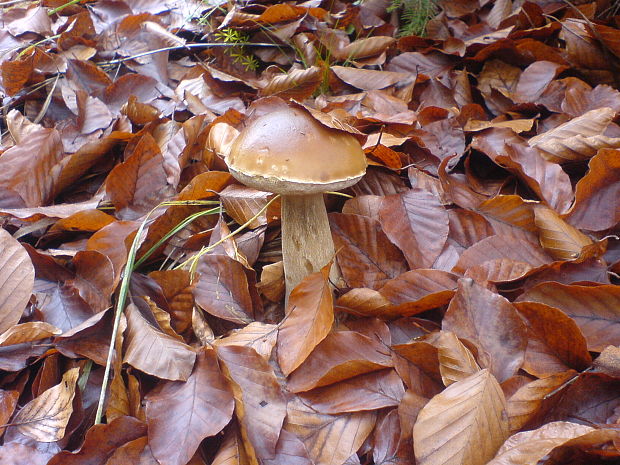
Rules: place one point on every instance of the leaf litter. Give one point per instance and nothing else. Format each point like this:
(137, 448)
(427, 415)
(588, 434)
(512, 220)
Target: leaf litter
(477, 318)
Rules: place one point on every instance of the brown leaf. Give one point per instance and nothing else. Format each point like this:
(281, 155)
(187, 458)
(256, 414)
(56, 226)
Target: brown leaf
(139, 183)
(85, 220)
(177, 288)
(367, 79)
(560, 239)
(535, 79)
(88, 76)
(309, 319)
(608, 361)
(341, 355)
(595, 309)
(364, 48)
(556, 342)
(259, 336)
(527, 403)
(532, 446)
(289, 450)
(417, 223)
(94, 278)
(16, 73)
(365, 392)
(27, 332)
(181, 414)
(8, 402)
(416, 291)
(272, 284)
(362, 301)
(546, 179)
(578, 139)
(231, 451)
(417, 363)
(101, 442)
(152, 351)
(45, 417)
(27, 168)
(243, 203)
(502, 247)
(93, 114)
(597, 205)
(329, 439)
(456, 361)
(365, 255)
(137, 452)
(390, 445)
(489, 322)
(17, 282)
(114, 241)
(465, 424)
(260, 404)
(509, 209)
(222, 289)
(139, 113)
(90, 338)
(297, 84)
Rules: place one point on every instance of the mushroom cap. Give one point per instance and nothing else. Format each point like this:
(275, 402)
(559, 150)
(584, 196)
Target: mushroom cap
(287, 151)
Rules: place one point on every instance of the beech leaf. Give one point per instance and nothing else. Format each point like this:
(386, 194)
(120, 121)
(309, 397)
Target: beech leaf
(17, 282)
(465, 424)
(309, 320)
(45, 417)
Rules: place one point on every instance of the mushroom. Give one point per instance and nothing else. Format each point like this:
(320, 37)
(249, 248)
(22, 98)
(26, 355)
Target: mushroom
(289, 152)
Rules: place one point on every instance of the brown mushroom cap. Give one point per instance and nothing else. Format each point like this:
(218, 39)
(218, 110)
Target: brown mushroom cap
(288, 151)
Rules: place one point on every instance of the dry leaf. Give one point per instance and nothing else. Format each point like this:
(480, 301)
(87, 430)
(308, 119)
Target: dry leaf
(45, 417)
(465, 424)
(309, 319)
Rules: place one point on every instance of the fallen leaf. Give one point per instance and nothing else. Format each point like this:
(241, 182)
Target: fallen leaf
(152, 351)
(195, 409)
(45, 417)
(260, 404)
(465, 424)
(329, 439)
(594, 308)
(17, 285)
(309, 319)
(491, 323)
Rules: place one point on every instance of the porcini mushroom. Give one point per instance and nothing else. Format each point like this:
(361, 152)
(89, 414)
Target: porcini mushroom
(287, 151)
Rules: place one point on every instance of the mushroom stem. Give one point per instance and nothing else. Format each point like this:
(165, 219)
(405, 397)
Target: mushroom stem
(307, 243)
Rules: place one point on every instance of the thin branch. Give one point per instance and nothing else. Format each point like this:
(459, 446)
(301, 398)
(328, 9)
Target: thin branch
(186, 46)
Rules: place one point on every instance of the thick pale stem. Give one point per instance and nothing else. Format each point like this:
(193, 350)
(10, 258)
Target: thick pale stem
(307, 244)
